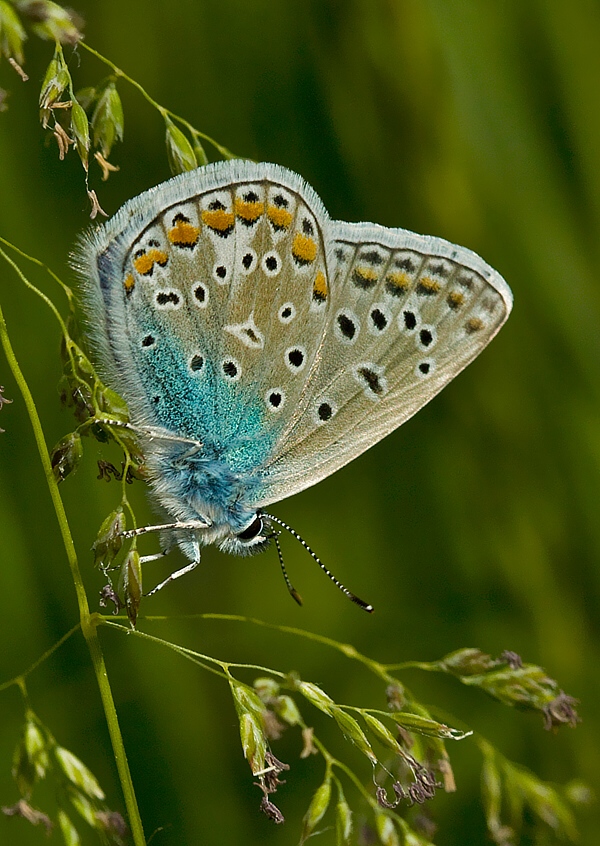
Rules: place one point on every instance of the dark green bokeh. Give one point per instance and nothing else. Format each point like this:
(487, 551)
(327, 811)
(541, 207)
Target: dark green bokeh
(475, 525)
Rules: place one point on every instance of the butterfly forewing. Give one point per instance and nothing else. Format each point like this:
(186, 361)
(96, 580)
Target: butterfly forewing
(220, 303)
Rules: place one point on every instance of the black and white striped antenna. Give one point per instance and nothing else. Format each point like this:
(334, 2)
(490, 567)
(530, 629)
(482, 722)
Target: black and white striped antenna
(351, 596)
(293, 592)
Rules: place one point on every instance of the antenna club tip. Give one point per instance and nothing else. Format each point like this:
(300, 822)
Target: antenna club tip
(362, 604)
(296, 596)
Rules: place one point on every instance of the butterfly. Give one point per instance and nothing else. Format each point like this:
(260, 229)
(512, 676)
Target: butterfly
(261, 345)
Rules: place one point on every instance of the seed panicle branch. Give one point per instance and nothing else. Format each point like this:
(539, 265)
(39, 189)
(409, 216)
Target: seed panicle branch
(91, 119)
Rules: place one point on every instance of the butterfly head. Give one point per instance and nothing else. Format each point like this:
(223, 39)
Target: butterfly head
(253, 538)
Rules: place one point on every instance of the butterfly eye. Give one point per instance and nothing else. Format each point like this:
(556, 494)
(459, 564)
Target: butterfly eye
(253, 530)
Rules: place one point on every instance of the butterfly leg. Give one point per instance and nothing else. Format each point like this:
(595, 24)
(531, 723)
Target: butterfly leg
(142, 530)
(144, 559)
(181, 572)
(151, 432)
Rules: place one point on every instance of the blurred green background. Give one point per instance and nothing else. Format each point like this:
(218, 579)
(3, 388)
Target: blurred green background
(476, 524)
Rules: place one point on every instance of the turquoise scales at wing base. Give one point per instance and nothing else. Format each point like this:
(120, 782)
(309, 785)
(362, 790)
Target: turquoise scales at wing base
(227, 418)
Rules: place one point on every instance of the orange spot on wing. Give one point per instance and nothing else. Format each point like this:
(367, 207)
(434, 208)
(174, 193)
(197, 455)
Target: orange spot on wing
(455, 299)
(397, 283)
(280, 218)
(144, 264)
(320, 289)
(159, 257)
(129, 283)
(248, 211)
(184, 234)
(364, 277)
(218, 219)
(428, 286)
(304, 249)
(474, 324)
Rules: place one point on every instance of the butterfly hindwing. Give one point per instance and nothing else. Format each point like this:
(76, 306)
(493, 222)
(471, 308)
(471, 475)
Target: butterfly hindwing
(408, 313)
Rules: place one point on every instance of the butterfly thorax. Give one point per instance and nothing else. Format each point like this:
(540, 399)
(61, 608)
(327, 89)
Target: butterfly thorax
(192, 483)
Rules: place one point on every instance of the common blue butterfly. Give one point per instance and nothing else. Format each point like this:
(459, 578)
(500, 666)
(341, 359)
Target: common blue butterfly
(260, 345)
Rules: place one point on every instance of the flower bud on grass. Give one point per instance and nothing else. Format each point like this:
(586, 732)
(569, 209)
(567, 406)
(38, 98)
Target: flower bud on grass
(12, 34)
(179, 150)
(112, 404)
(343, 822)
(83, 805)
(250, 710)
(386, 830)
(200, 153)
(80, 128)
(107, 119)
(131, 579)
(30, 760)
(353, 732)
(491, 793)
(77, 773)
(66, 455)
(56, 81)
(254, 742)
(109, 539)
(69, 833)
(51, 21)
(287, 710)
(266, 688)
(317, 697)
(467, 662)
(382, 733)
(317, 808)
(427, 727)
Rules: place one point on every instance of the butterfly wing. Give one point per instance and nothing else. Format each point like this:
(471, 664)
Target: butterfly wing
(407, 313)
(206, 299)
(227, 307)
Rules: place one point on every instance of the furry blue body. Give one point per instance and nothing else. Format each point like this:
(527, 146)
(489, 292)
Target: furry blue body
(218, 482)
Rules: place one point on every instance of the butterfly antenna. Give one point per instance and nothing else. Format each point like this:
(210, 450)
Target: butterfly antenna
(351, 596)
(293, 592)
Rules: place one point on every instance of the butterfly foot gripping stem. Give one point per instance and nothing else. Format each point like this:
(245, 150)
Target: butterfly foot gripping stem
(190, 525)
